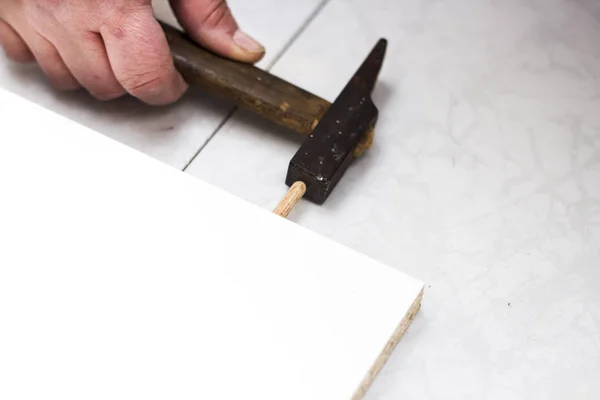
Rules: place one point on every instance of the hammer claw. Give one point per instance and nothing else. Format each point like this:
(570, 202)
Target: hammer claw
(368, 72)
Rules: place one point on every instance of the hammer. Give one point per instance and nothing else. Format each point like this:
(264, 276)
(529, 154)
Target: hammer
(336, 133)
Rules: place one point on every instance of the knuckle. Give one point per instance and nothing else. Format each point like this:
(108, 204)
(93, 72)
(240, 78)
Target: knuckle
(140, 83)
(217, 11)
(52, 16)
(46, 7)
(38, 11)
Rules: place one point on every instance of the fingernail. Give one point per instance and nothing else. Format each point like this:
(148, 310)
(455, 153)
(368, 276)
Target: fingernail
(247, 43)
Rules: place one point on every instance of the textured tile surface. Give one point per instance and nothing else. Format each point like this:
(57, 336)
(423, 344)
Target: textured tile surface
(173, 134)
(484, 181)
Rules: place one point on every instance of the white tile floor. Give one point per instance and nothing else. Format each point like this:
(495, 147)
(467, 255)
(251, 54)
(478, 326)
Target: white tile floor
(484, 180)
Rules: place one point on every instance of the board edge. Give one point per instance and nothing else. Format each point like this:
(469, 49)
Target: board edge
(389, 348)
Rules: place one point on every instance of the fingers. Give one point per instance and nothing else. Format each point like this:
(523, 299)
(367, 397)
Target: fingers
(141, 59)
(130, 54)
(14, 46)
(87, 60)
(211, 24)
(37, 49)
(51, 62)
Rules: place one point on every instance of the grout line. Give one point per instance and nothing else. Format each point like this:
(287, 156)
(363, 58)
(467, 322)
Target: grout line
(278, 57)
(212, 135)
(298, 32)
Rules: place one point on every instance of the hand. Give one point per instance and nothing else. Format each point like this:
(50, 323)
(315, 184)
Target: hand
(115, 47)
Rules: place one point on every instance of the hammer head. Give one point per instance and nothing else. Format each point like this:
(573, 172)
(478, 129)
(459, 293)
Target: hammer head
(327, 153)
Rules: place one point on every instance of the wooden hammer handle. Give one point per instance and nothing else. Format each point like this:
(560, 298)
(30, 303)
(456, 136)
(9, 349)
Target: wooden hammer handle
(246, 85)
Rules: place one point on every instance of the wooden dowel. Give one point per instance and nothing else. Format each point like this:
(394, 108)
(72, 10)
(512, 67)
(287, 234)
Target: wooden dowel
(292, 197)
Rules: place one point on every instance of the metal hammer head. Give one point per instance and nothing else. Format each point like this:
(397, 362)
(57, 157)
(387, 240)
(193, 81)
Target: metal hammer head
(327, 153)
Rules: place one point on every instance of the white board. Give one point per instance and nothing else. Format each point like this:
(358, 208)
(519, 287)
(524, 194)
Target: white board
(124, 278)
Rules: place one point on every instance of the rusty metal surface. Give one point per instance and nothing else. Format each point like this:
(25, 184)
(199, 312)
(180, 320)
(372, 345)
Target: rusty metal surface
(327, 153)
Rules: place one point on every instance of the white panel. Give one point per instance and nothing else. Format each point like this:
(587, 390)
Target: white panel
(172, 134)
(124, 278)
(484, 181)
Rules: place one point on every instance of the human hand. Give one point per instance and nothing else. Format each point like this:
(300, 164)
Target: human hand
(115, 47)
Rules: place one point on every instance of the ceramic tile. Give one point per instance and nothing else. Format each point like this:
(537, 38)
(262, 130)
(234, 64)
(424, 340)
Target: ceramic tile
(173, 134)
(484, 181)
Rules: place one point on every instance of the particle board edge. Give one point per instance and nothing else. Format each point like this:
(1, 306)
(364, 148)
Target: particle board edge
(389, 347)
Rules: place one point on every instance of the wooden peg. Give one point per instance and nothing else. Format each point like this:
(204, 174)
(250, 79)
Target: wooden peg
(292, 197)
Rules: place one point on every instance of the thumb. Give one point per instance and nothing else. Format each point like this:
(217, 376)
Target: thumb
(211, 24)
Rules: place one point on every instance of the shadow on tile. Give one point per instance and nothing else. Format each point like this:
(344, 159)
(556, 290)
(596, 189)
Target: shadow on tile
(382, 94)
(127, 109)
(269, 129)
